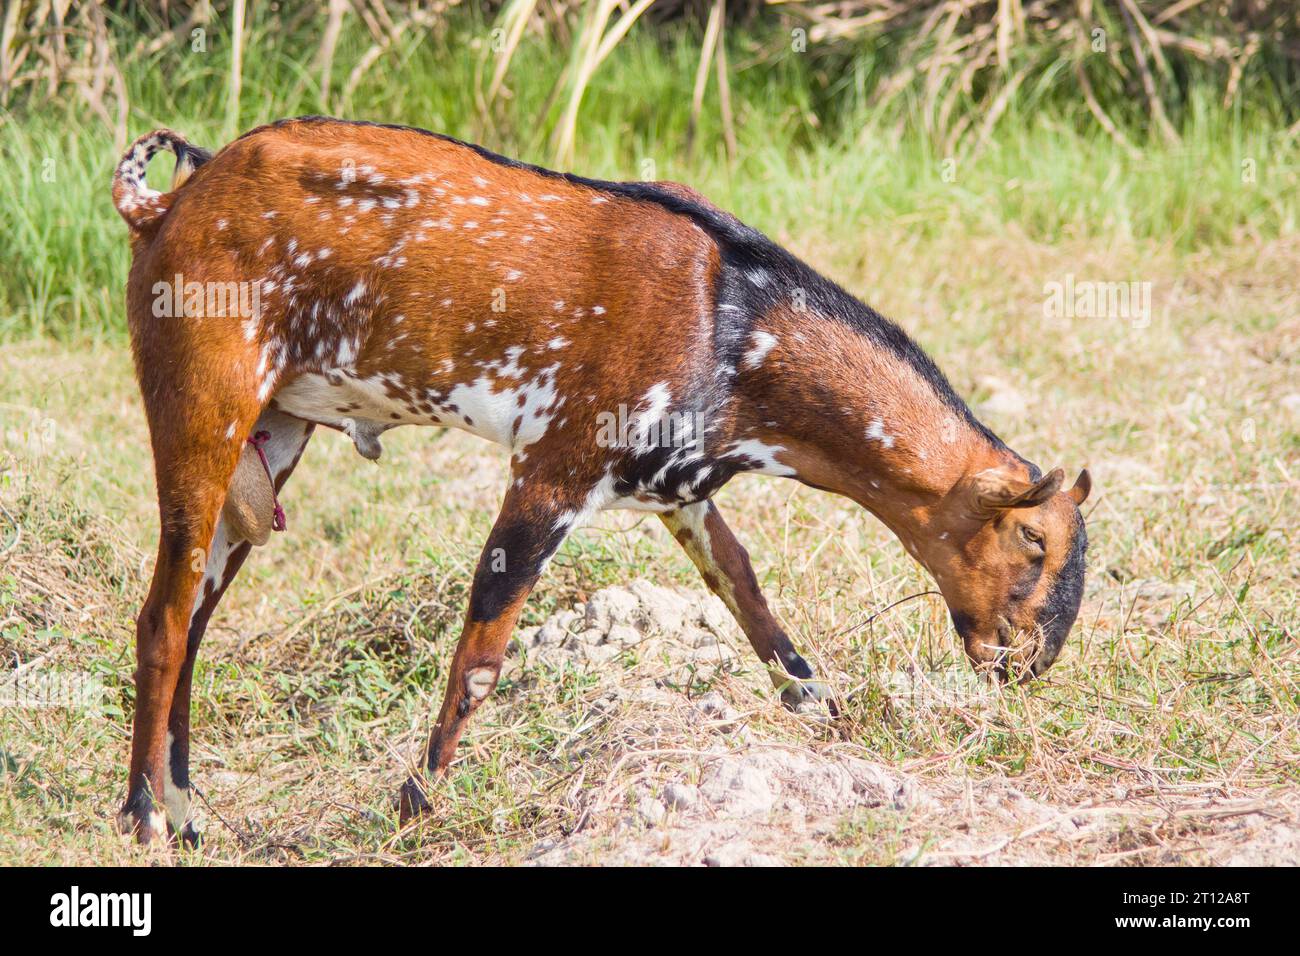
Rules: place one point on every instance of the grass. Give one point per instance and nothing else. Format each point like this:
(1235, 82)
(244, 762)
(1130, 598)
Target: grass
(1173, 712)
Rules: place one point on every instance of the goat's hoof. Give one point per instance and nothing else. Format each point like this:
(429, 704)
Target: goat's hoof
(190, 836)
(412, 804)
(148, 825)
(802, 696)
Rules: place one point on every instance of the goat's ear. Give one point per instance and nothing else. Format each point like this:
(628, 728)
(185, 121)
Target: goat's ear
(999, 489)
(1082, 485)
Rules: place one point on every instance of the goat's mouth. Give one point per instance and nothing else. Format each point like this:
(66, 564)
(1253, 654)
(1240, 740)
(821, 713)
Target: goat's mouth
(1013, 658)
(1026, 651)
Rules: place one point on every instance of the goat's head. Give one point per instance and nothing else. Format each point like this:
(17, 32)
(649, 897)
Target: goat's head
(1012, 567)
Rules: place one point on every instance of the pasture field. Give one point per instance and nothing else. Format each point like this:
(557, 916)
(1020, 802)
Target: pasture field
(1167, 733)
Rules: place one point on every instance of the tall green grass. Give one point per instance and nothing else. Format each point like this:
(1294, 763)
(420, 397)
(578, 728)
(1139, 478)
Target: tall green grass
(814, 160)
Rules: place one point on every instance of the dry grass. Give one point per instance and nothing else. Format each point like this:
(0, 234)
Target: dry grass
(1167, 733)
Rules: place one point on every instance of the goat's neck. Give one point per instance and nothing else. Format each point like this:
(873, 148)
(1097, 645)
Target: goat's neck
(857, 418)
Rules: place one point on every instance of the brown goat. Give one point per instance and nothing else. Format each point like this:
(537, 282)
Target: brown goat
(629, 343)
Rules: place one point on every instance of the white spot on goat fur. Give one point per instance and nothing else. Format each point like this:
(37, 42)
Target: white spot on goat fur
(347, 351)
(764, 454)
(176, 800)
(599, 497)
(876, 432)
(357, 291)
(645, 424)
(558, 342)
(479, 681)
(764, 342)
(512, 417)
(230, 432)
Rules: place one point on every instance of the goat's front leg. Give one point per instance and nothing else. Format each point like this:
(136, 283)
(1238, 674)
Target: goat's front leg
(533, 522)
(724, 564)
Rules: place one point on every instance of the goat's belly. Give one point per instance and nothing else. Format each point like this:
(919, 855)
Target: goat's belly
(512, 413)
(362, 408)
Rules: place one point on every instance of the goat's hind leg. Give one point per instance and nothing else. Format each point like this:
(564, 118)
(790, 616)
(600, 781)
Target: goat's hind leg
(195, 454)
(288, 438)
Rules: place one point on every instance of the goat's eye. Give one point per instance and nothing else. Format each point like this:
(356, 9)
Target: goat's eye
(1032, 536)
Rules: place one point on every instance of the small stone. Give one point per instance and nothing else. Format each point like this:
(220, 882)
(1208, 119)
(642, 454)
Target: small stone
(739, 853)
(682, 796)
(650, 810)
(738, 789)
(624, 635)
(555, 630)
(603, 653)
(610, 606)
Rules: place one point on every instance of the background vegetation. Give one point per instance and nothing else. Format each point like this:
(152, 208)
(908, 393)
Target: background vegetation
(1057, 118)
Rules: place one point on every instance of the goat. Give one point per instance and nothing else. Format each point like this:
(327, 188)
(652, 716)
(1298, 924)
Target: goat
(632, 345)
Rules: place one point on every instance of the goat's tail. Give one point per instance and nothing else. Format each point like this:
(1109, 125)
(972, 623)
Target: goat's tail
(139, 205)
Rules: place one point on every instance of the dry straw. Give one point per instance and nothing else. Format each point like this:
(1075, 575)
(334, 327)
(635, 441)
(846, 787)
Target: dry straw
(963, 61)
